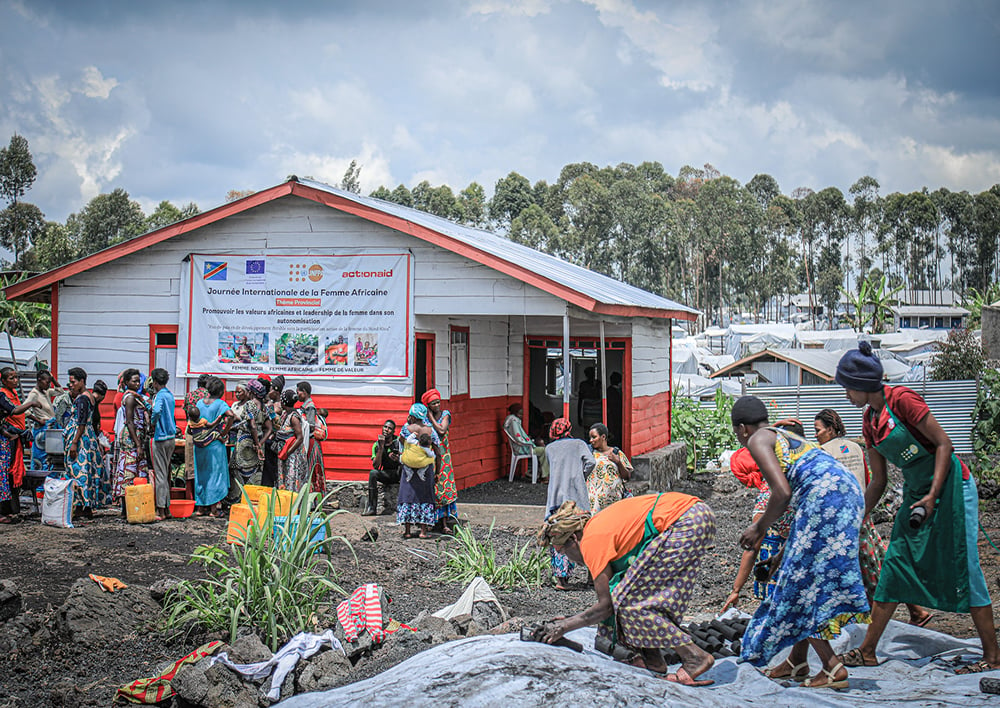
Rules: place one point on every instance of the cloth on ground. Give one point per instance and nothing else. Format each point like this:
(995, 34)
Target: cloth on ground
(156, 689)
(301, 646)
(362, 610)
(478, 591)
(108, 584)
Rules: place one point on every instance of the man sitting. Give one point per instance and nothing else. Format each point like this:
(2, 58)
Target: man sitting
(385, 465)
(521, 441)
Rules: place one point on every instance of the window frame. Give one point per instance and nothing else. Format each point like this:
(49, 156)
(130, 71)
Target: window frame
(452, 331)
(155, 330)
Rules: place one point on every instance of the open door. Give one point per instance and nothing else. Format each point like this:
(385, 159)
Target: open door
(423, 369)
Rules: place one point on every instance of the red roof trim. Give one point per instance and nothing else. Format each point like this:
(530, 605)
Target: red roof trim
(34, 285)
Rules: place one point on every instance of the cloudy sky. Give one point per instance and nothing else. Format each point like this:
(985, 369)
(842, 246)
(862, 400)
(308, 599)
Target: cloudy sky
(187, 100)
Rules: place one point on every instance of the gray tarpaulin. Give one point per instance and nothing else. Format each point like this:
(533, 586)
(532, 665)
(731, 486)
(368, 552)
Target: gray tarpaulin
(504, 671)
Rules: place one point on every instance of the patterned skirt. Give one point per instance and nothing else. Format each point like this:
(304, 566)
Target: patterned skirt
(445, 490)
(294, 471)
(87, 470)
(770, 547)
(130, 462)
(818, 586)
(6, 456)
(651, 598)
(872, 554)
(415, 502)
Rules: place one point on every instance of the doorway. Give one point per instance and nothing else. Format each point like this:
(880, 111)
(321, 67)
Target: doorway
(423, 369)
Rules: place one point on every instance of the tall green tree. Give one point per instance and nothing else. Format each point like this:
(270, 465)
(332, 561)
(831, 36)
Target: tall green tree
(511, 195)
(351, 181)
(20, 225)
(52, 249)
(17, 174)
(106, 220)
(472, 204)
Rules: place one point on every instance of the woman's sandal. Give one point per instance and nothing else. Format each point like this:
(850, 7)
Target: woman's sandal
(923, 623)
(855, 658)
(5, 520)
(800, 672)
(976, 668)
(831, 680)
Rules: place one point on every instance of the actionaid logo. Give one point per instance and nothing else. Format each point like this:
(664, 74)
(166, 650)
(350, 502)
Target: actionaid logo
(367, 273)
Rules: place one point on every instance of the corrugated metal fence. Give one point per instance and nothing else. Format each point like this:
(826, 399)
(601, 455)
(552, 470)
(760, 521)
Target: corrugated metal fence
(951, 402)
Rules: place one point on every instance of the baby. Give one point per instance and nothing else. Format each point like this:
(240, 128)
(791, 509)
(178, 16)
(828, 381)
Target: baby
(418, 449)
(202, 432)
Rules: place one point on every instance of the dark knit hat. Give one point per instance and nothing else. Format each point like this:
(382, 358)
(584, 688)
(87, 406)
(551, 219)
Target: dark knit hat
(748, 410)
(860, 370)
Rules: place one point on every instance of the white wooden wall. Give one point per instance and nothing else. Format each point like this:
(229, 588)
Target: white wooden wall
(650, 356)
(105, 313)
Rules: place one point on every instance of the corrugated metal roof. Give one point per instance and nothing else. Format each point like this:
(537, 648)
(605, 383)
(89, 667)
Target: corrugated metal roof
(928, 310)
(600, 287)
(951, 402)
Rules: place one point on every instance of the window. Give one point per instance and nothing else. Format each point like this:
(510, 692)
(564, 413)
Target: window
(459, 361)
(938, 322)
(956, 322)
(905, 322)
(163, 348)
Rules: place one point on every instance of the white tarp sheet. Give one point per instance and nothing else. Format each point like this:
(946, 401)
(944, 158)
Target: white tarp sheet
(504, 671)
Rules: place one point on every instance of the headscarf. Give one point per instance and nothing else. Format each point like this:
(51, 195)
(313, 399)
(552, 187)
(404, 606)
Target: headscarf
(199, 394)
(288, 397)
(256, 388)
(745, 469)
(560, 428)
(748, 410)
(860, 370)
(278, 382)
(430, 395)
(567, 520)
(419, 411)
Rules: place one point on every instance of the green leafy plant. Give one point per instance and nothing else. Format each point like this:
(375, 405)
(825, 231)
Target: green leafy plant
(708, 431)
(959, 358)
(986, 416)
(273, 580)
(528, 566)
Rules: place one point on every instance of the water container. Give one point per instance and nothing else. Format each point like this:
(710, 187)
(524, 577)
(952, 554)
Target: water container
(140, 503)
(253, 492)
(282, 501)
(240, 519)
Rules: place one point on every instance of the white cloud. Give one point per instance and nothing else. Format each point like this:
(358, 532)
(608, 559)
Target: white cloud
(95, 85)
(330, 169)
(525, 8)
(679, 44)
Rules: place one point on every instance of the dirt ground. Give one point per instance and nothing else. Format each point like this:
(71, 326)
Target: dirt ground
(39, 668)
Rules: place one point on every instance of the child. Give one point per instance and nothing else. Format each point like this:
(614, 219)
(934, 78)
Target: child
(418, 450)
(202, 432)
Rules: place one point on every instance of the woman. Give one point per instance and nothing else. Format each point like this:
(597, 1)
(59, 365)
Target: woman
(211, 469)
(746, 471)
(832, 437)
(41, 416)
(570, 462)
(818, 585)
(84, 461)
(415, 502)
(644, 554)
(12, 413)
(293, 465)
(935, 564)
(314, 452)
(131, 438)
(248, 419)
(606, 483)
(272, 409)
(445, 491)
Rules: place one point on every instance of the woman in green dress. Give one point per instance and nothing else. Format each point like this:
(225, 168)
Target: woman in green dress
(935, 564)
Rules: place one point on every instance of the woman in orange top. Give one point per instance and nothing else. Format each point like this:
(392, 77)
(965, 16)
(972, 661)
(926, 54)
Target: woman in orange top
(644, 554)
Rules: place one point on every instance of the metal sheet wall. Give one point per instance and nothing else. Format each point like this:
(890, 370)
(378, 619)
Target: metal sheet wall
(951, 402)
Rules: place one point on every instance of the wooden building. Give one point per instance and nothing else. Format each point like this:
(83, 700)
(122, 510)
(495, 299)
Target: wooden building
(485, 320)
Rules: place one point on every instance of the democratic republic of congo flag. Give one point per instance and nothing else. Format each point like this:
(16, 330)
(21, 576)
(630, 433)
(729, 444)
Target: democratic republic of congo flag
(215, 270)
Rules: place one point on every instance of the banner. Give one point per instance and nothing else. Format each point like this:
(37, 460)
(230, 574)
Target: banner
(326, 316)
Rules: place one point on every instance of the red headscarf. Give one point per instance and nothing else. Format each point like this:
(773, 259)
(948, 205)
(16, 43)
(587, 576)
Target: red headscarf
(745, 468)
(430, 395)
(560, 428)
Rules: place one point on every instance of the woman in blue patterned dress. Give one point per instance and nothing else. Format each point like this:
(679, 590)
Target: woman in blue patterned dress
(415, 503)
(818, 583)
(84, 462)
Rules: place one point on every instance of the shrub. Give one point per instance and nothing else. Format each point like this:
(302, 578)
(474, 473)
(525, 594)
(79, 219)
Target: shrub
(527, 567)
(708, 431)
(276, 588)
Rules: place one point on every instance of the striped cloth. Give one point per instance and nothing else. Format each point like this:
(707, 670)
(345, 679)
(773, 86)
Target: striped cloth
(362, 610)
(158, 688)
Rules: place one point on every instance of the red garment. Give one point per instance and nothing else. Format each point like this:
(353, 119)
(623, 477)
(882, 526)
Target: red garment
(910, 408)
(17, 451)
(430, 395)
(745, 468)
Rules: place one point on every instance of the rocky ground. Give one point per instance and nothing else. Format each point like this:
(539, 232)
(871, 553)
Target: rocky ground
(64, 642)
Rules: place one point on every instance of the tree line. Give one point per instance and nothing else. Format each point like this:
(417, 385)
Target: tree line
(704, 239)
(38, 244)
(699, 237)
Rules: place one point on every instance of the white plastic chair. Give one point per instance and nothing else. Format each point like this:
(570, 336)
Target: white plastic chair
(515, 458)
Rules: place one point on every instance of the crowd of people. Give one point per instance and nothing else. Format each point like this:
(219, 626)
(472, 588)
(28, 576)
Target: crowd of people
(823, 564)
(270, 436)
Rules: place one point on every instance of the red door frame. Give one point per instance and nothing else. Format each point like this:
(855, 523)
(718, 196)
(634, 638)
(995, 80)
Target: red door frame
(429, 363)
(153, 331)
(626, 375)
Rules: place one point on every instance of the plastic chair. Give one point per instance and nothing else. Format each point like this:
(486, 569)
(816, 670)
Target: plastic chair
(515, 458)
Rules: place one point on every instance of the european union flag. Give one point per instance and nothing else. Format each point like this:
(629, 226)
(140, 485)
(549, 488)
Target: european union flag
(255, 267)
(215, 270)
